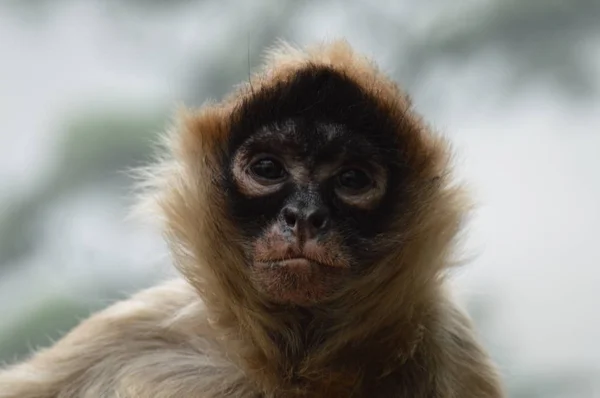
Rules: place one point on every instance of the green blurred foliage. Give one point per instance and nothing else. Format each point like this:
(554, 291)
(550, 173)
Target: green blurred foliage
(97, 147)
(40, 327)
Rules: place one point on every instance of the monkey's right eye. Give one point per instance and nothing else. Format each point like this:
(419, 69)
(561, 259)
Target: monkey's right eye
(268, 169)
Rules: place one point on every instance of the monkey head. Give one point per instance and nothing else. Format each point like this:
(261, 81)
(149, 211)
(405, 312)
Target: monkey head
(313, 183)
(316, 174)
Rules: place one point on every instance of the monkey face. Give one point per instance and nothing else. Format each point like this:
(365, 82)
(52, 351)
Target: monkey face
(305, 196)
(313, 185)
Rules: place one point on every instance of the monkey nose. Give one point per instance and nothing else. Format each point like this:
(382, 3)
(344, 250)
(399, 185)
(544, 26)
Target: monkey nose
(311, 221)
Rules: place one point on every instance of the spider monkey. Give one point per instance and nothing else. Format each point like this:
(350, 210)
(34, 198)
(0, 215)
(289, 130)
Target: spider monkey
(312, 216)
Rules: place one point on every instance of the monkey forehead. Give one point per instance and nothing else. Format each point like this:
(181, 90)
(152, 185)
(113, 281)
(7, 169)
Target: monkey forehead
(305, 140)
(316, 96)
(299, 131)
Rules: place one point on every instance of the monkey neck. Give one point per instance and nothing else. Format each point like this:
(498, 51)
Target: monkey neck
(354, 340)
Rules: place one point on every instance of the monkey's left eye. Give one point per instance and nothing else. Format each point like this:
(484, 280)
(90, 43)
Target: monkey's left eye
(354, 180)
(268, 169)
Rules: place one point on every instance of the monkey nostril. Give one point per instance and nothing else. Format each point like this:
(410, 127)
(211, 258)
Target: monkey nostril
(311, 222)
(290, 216)
(319, 219)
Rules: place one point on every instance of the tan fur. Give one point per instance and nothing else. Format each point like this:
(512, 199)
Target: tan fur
(393, 332)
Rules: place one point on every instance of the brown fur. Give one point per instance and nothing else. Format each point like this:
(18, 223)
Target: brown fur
(392, 333)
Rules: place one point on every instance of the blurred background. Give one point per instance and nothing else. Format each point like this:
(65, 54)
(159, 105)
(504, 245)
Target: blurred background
(86, 86)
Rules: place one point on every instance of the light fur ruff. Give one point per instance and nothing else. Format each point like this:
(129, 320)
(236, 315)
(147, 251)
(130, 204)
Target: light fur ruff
(394, 332)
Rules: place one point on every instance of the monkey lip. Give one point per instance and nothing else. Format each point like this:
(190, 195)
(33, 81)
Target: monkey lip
(297, 263)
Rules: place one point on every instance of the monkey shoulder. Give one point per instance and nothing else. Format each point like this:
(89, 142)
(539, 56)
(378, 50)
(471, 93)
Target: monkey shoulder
(461, 364)
(158, 343)
(447, 362)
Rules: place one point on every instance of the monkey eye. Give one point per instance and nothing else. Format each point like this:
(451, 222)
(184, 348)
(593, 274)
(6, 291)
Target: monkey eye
(354, 180)
(268, 169)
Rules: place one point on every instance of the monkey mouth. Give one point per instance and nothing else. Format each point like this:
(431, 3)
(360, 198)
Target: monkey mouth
(296, 280)
(277, 252)
(293, 263)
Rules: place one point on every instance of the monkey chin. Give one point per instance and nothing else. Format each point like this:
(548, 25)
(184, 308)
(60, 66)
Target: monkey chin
(296, 281)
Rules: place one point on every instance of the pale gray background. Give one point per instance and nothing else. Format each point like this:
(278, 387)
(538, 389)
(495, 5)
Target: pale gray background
(85, 86)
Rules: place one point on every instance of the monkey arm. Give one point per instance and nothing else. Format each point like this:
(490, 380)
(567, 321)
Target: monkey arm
(148, 346)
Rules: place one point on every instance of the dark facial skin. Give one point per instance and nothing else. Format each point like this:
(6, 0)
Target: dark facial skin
(313, 180)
